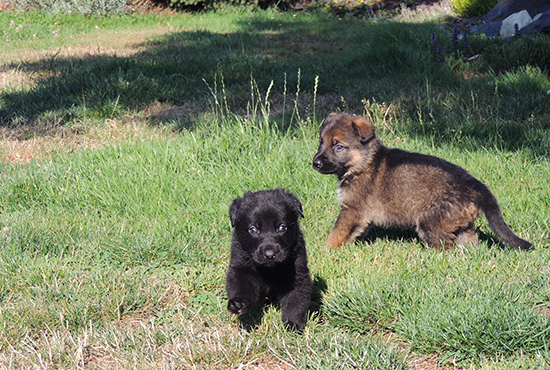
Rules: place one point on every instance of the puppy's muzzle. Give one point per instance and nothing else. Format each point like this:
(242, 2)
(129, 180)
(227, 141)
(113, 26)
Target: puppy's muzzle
(317, 164)
(269, 254)
(319, 161)
(322, 164)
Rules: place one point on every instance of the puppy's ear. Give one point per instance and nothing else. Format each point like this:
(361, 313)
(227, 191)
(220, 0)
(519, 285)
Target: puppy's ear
(329, 119)
(363, 128)
(234, 211)
(296, 205)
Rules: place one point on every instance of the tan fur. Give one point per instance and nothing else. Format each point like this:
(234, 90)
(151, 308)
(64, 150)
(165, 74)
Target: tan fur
(391, 187)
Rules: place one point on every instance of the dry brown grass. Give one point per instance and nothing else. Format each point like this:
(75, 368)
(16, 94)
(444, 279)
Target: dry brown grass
(127, 43)
(423, 10)
(22, 144)
(13, 78)
(135, 343)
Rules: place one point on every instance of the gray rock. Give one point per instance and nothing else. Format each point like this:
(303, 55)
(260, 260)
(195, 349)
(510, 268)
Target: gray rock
(540, 24)
(515, 22)
(505, 8)
(490, 28)
(492, 22)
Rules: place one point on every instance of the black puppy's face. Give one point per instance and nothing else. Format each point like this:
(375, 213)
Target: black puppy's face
(266, 225)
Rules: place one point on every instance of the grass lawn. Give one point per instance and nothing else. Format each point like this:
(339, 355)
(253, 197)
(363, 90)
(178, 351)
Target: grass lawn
(123, 141)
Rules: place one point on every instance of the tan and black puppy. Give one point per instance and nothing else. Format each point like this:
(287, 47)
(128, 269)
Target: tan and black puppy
(392, 187)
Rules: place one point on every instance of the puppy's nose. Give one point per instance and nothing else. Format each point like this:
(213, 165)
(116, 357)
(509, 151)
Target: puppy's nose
(317, 164)
(269, 254)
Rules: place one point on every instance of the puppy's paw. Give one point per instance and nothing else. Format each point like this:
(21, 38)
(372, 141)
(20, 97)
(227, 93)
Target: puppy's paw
(334, 241)
(238, 305)
(297, 325)
(294, 320)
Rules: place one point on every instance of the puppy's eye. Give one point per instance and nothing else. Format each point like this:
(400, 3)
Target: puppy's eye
(253, 230)
(282, 228)
(338, 147)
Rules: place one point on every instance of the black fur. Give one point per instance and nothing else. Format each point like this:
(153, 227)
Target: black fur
(268, 255)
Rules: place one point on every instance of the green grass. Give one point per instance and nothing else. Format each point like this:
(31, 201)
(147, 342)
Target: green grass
(381, 61)
(115, 256)
(439, 305)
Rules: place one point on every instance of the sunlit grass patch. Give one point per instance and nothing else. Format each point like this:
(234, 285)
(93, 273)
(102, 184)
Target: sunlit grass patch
(118, 167)
(465, 306)
(23, 144)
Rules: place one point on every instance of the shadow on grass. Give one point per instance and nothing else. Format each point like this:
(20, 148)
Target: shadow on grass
(253, 318)
(250, 320)
(184, 74)
(409, 235)
(319, 289)
(393, 234)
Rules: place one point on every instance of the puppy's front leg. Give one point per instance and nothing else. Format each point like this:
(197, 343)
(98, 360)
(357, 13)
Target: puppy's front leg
(294, 304)
(347, 228)
(243, 290)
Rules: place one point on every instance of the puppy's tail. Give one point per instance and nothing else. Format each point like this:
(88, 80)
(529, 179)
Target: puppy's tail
(491, 210)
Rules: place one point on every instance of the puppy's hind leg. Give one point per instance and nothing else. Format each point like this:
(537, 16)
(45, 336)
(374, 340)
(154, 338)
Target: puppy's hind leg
(449, 225)
(467, 236)
(434, 236)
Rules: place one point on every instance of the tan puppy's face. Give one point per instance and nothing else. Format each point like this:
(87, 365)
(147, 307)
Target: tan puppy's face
(342, 143)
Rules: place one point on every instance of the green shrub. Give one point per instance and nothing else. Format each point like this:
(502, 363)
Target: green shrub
(85, 7)
(473, 8)
(220, 4)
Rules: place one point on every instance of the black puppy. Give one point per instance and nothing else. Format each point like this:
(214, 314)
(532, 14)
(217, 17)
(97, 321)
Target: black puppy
(268, 255)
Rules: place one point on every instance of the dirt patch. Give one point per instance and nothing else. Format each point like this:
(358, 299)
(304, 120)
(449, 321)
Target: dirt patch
(424, 364)
(542, 310)
(265, 364)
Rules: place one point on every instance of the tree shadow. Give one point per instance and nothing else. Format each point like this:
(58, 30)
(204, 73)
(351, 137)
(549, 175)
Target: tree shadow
(181, 75)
